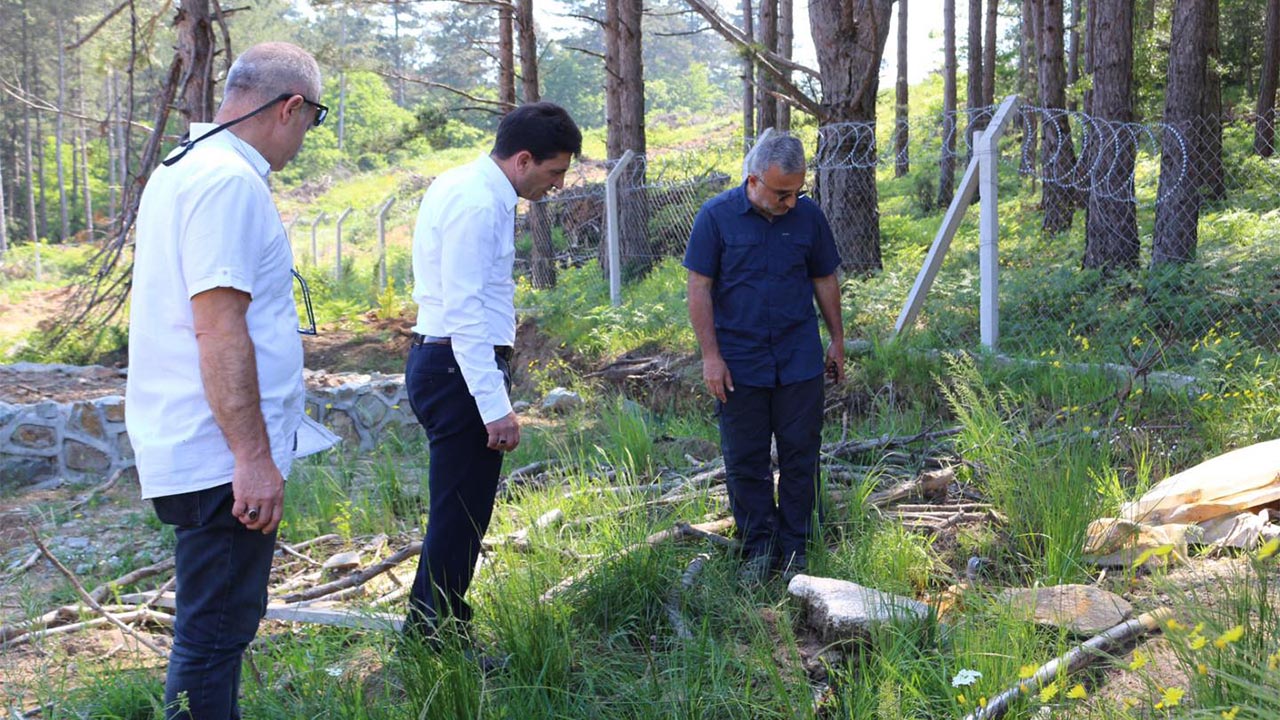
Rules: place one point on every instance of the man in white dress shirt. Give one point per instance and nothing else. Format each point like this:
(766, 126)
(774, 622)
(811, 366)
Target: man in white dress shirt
(215, 390)
(457, 374)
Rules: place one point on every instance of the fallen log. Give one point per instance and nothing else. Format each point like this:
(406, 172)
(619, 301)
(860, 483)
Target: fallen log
(163, 619)
(322, 613)
(678, 531)
(1079, 657)
(884, 442)
(101, 592)
(355, 579)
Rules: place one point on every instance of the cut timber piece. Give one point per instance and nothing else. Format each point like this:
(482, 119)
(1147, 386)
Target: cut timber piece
(1240, 530)
(1112, 542)
(840, 610)
(319, 613)
(1239, 480)
(1082, 609)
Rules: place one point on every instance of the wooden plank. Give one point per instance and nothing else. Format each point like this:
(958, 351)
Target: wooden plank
(319, 613)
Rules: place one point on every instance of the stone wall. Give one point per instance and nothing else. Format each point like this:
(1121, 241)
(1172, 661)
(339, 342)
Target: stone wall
(86, 439)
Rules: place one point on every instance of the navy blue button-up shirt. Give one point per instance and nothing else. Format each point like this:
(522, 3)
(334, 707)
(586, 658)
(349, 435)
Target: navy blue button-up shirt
(762, 285)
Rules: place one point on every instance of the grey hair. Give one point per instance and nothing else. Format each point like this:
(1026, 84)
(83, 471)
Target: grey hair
(273, 68)
(784, 151)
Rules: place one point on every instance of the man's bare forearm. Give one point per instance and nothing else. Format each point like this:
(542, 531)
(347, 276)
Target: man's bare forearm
(827, 290)
(229, 370)
(701, 315)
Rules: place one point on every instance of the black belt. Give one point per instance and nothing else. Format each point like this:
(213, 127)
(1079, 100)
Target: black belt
(503, 351)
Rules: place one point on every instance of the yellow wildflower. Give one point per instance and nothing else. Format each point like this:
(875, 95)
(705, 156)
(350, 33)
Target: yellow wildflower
(1129, 702)
(1202, 668)
(1172, 697)
(1139, 660)
(1230, 714)
(1229, 637)
(1175, 626)
(1049, 692)
(1197, 642)
(1273, 661)
(960, 699)
(982, 701)
(1077, 692)
(1026, 671)
(1269, 549)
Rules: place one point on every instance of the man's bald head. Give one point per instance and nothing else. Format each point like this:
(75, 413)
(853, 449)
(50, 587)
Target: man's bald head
(270, 69)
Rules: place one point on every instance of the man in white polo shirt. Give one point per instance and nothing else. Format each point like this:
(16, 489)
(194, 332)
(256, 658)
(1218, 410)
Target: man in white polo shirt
(215, 390)
(457, 375)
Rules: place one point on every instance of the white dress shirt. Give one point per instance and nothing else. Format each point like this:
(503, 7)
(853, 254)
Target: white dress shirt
(207, 222)
(463, 252)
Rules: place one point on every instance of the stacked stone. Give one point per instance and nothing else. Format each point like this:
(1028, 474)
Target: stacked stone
(50, 439)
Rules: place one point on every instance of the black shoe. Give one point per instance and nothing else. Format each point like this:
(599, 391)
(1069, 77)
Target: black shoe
(755, 570)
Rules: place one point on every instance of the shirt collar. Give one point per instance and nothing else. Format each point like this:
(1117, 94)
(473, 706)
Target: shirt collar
(497, 179)
(231, 140)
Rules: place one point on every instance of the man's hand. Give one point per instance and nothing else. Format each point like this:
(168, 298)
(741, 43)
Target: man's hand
(258, 490)
(835, 362)
(715, 373)
(504, 433)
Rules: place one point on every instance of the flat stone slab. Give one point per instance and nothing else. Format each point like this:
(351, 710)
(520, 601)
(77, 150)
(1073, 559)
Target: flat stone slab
(1081, 609)
(843, 610)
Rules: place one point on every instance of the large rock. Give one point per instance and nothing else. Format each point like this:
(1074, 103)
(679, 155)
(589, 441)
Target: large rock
(560, 400)
(1081, 609)
(20, 471)
(842, 610)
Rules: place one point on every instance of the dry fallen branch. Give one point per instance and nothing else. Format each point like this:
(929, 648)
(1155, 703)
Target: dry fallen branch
(101, 592)
(687, 579)
(884, 442)
(84, 595)
(680, 530)
(316, 541)
(128, 616)
(933, 483)
(355, 579)
(103, 488)
(1081, 656)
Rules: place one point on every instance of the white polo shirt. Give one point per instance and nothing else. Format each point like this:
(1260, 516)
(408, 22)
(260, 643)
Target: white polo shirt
(207, 222)
(464, 247)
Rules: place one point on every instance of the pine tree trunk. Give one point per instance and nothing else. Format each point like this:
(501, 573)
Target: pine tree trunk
(850, 44)
(989, 58)
(506, 57)
(113, 182)
(1073, 49)
(786, 37)
(901, 159)
(766, 101)
(195, 47)
(947, 164)
(84, 148)
(1212, 175)
(64, 225)
(973, 88)
(544, 251)
(614, 141)
(529, 86)
(1028, 87)
(1057, 152)
(628, 133)
(1178, 198)
(1265, 125)
(748, 79)
(398, 58)
(4, 217)
(1111, 230)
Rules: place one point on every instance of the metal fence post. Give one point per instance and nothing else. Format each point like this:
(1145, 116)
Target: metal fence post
(382, 241)
(988, 152)
(337, 255)
(611, 228)
(315, 256)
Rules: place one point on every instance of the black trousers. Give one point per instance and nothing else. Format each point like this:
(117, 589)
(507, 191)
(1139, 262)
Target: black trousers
(222, 572)
(791, 414)
(462, 479)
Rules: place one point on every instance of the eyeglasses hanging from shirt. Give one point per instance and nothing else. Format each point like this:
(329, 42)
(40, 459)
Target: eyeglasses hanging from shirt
(322, 112)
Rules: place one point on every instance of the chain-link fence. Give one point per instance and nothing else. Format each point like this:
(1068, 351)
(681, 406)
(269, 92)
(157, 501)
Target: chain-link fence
(1154, 244)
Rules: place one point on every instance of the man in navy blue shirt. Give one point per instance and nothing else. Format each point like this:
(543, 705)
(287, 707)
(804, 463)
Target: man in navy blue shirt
(758, 256)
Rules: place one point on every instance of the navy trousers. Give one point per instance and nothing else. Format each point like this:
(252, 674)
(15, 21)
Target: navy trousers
(222, 572)
(791, 414)
(462, 479)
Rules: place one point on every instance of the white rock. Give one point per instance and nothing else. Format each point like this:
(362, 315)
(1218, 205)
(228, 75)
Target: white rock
(561, 400)
(842, 610)
(343, 561)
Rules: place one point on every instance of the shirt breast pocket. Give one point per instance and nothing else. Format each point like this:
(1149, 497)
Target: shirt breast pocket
(743, 253)
(795, 252)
